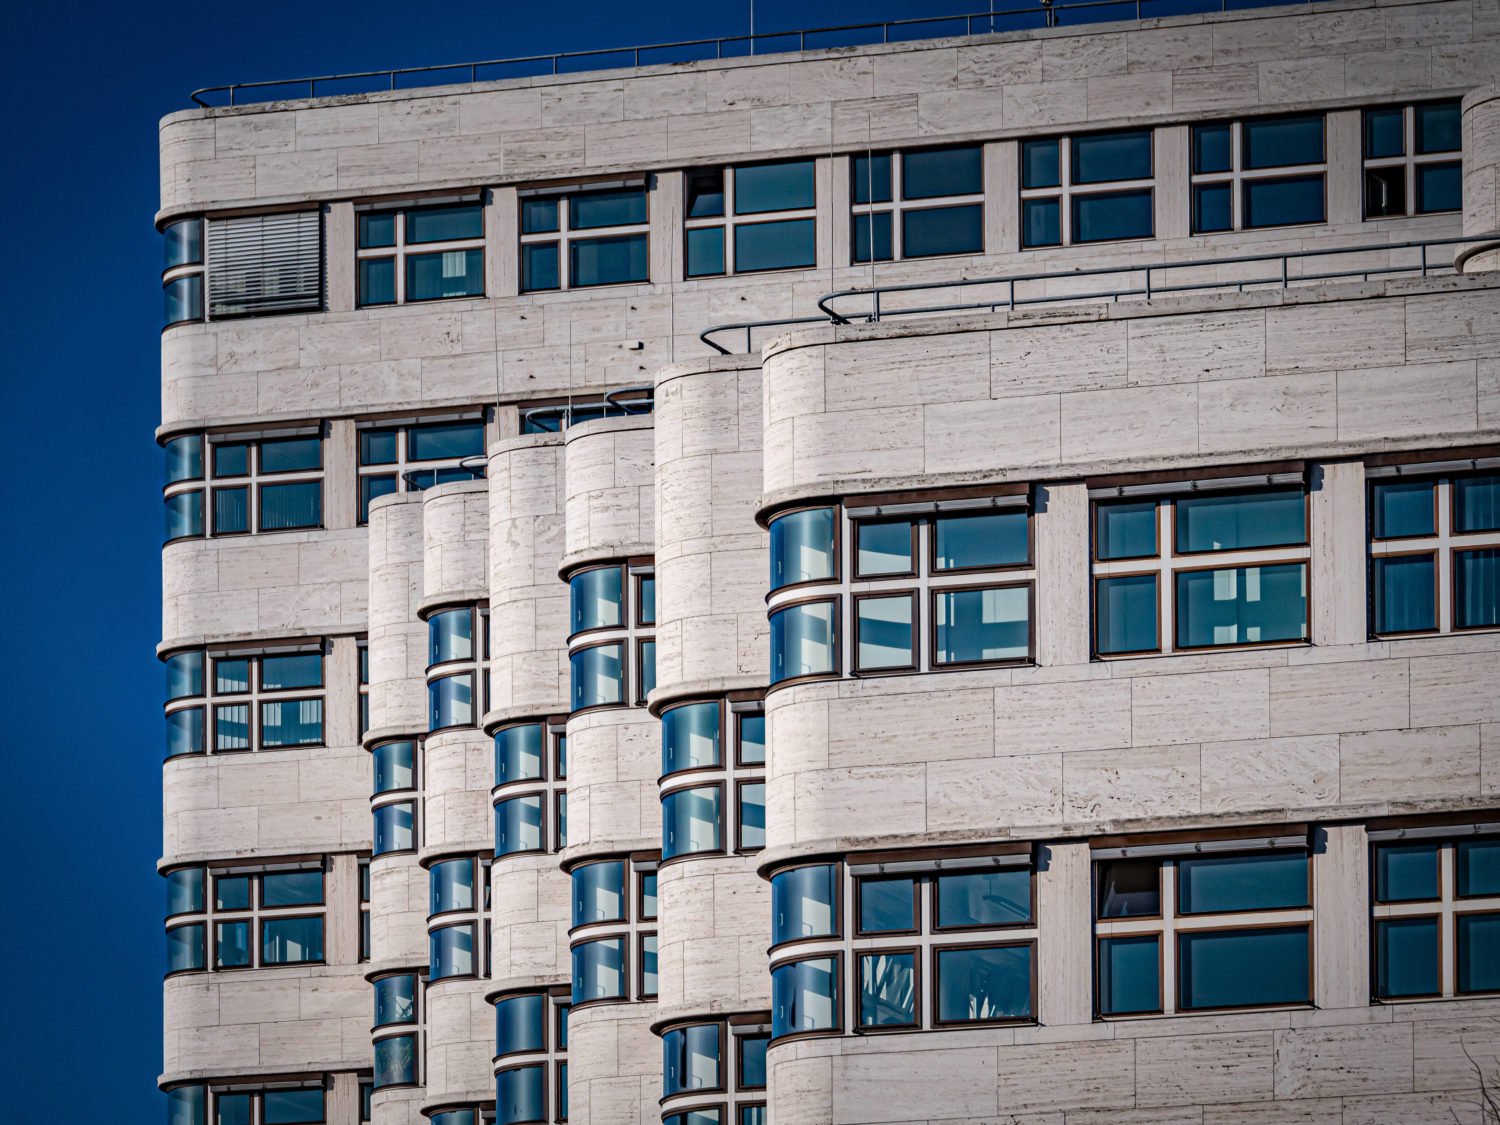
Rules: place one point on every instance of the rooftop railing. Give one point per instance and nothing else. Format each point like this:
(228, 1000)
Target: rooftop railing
(1112, 283)
(1004, 15)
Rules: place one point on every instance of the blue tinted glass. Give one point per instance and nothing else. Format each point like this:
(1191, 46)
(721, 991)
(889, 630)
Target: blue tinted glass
(802, 547)
(539, 215)
(690, 737)
(942, 171)
(450, 636)
(1405, 593)
(1273, 142)
(648, 965)
(445, 440)
(292, 1107)
(518, 753)
(1406, 872)
(984, 898)
(395, 1061)
(291, 941)
(450, 701)
(185, 891)
(1226, 884)
(690, 1059)
(233, 1109)
(932, 231)
(753, 1115)
(291, 888)
(1211, 968)
(451, 273)
(802, 903)
(1476, 589)
(1385, 191)
(291, 722)
(377, 281)
(372, 486)
(1438, 128)
(184, 675)
(393, 828)
(1041, 223)
(1128, 888)
(598, 676)
(1240, 521)
(395, 1000)
(883, 636)
(183, 243)
(185, 947)
(648, 894)
(451, 886)
(539, 267)
(187, 1105)
(705, 251)
(870, 178)
(182, 299)
(231, 892)
(184, 458)
(1129, 975)
(232, 945)
(454, 1117)
(883, 548)
(647, 670)
(647, 608)
(231, 510)
(1478, 867)
(1476, 503)
(1126, 614)
(445, 224)
(993, 539)
(394, 766)
(1283, 202)
(299, 670)
(752, 815)
(1403, 508)
(520, 1024)
(786, 244)
(983, 984)
(599, 892)
(1479, 953)
(804, 996)
(752, 1061)
(1385, 132)
(231, 459)
(752, 739)
(979, 625)
(802, 641)
(232, 727)
(599, 970)
(1212, 149)
(887, 989)
(518, 825)
(887, 905)
(1440, 187)
(1040, 164)
(619, 208)
(607, 261)
(883, 250)
(1211, 208)
(773, 187)
(1125, 530)
(597, 598)
(184, 514)
(691, 822)
(705, 193)
(451, 951)
(1406, 957)
(1111, 156)
(377, 228)
(286, 506)
(1108, 215)
(185, 732)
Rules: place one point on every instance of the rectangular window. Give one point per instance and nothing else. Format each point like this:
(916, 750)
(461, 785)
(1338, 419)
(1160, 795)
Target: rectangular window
(1222, 566)
(267, 701)
(427, 253)
(920, 204)
(1261, 172)
(1412, 163)
(417, 456)
(1434, 552)
(598, 235)
(257, 917)
(263, 264)
(750, 217)
(1092, 188)
(248, 486)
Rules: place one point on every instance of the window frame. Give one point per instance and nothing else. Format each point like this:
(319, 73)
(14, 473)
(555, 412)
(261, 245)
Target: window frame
(1030, 944)
(1238, 175)
(253, 916)
(898, 205)
(627, 635)
(1409, 160)
(400, 250)
(729, 221)
(253, 698)
(1066, 191)
(194, 270)
(564, 236)
(401, 469)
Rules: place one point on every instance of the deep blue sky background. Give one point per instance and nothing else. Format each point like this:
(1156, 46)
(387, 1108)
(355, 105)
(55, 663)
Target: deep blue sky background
(84, 85)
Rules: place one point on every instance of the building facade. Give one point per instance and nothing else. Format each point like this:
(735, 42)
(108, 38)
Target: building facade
(951, 581)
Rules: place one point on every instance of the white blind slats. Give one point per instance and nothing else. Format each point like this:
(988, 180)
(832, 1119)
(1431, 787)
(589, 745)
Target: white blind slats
(265, 263)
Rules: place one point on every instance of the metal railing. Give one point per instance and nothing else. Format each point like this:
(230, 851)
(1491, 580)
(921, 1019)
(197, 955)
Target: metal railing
(1009, 15)
(1234, 274)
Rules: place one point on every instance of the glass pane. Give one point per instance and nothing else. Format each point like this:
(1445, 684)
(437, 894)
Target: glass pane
(1274, 142)
(932, 231)
(984, 898)
(1220, 522)
(1439, 188)
(599, 970)
(291, 888)
(290, 456)
(1385, 132)
(1403, 508)
(646, 596)
(1041, 165)
(1109, 215)
(185, 732)
(1476, 503)
(1211, 208)
(1406, 872)
(450, 636)
(786, 244)
(597, 598)
(184, 514)
(607, 261)
(887, 989)
(184, 675)
(451, 273)
(395, 1000)
(1211, 968)
(1129, 975)
(372, 486)
(298, 670)
(451, 951)
(1283, 202)
(231, 676)
(648, 894)
(690, 822)
(1226, 884)
(518, 825)
(290, 941)
(887, 905)
(377, 228)
(979, 625)
(232, 892)
(184, 457)
(394, 826)
(752, 816)
(804, 996)
(540, 215)
(1478, 867)
(232, 727)
(232, 945)
(942, 171)
(185, 948)
(377, 281)
(1242, 605)
(802, 903)
(883, 548)
(599, 893)
(1406, 957)
(445, 224)
(1385, 192)
(292, 1107)
(1041, 223)
(802, 547)
(1476, 589)
(182, 243)
(870, 177)
(705, 251)
(993, 539)
(1126, 614)
(231, 459)
(773, 187)
(1438, 128)
(705, 193)
(983, 984)
(187, 1105)
(451, 701)
(1111, 156)
(884, 249)
(1405, 593)
(520, 1024)
(446, 440)
(395, 1061)
(802, 641)
(752, 739)
(690, 1059)
(518, 754)
(451, 886)
(1212, 149)
(182, 299)
(233, 1109)
(539, 267)
(185, 891)
(1479, 952)
(620, 208)
(395, 766)
(752, 1061)
(1128, 888)
(291, 722)
(690, 737)
(883, 636)
(284, 506)
(231, 510)
(598, 676)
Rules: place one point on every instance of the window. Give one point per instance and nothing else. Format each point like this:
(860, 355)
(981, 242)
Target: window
(599, 970)
(365, 944)
(614, 916)
(452, 951)
(457, 948)
(1434, 551)
(803, 547)
(241, 918)
(750, 218)
(551, 416)
(591, 236)
(521, 1095)
(240, 1105)
(918, 204)
(1411, 157)
(395, 766)
(1091, 188)
(805, 996)
(1221, 566)
(395, 827)
(531, 1044)
(420, 254)
(804, 903)
(363, 687)
(266, 700)
(530, 768)
(614, 663)
(182, 271)
(415, 457)
(252, 486)
(458, 653)
(396, 1061)
(1175, 934)
(261, 264)
(1264, 172)
(396, 1000)
(599, 893)
(693, 742)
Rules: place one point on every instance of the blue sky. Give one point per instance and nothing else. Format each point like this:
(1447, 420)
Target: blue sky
(85, 86)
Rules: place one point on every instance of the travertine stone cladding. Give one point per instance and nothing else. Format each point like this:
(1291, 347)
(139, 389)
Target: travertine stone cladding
(610, 489)
(614, 1065)
(1481, 142)
(530, 912)
(614, 758)
(455, 544)
(397, 636)
(460, 1042)
(398, 912)
(457, 771)
(713, 938)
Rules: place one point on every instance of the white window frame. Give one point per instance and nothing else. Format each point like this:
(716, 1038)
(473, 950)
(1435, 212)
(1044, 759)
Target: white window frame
(564, 236)
(897, 206)
(404, 463)
(1065, 191)
(1238, 175)
(401, 249)
(1408, 161)
(729, 220)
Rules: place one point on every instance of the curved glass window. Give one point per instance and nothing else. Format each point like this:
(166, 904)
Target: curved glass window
(521, 1095)
(450, 701)
(395, 827)
(185, 891)
(802, 641)
(518, 754)
(396, 1061)
(451, 886)
(518, 825)
(802, 547)
(185, 731)
(597, 598)
(184, 513)
(182, 244)
(451, 951)
(450, 636)
(599, 970)
(395, 766)
(184, 675)
(185, 947)
(454, 1117)
(521, 1024)
(695, 1117)
(691, 821)
(184, 456)
(187, 1105)
(598, 675)
(690, 737)
(802, 903)
(690, 1059)
(599, 892)
(805, 996)
(396, 1000)
(182, 299)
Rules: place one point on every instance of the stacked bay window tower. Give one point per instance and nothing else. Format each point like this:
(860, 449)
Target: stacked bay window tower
(947, 580)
